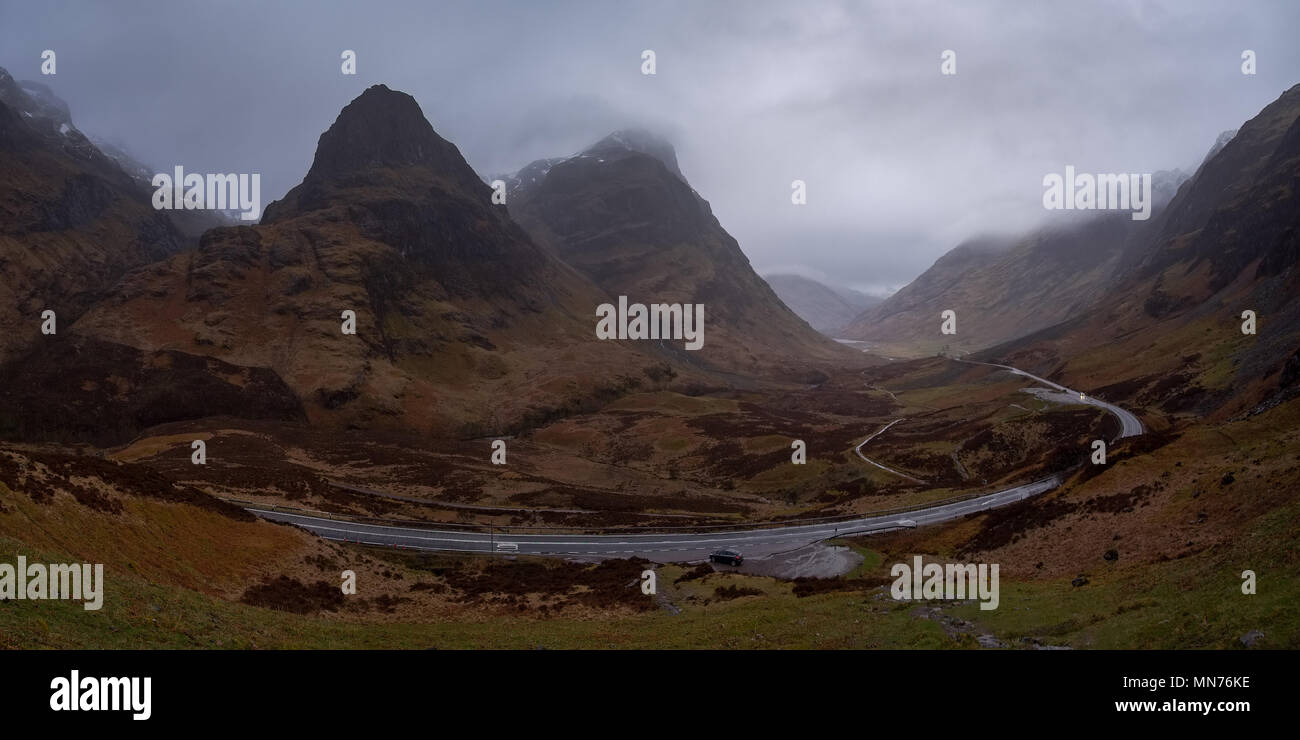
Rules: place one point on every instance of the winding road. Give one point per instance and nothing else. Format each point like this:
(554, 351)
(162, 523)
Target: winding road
(682, 547)
(1130, 425)
(858, 450)
(754, 542)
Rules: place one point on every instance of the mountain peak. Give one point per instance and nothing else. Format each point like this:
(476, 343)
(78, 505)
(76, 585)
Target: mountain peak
(375, 142)
(638, 140)
(614, 147)
(383, 128)
(47, 104)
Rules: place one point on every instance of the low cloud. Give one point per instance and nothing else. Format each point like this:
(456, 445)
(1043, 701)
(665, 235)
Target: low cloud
(901, 163)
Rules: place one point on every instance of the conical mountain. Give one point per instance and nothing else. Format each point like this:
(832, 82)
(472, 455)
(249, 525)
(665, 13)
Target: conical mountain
(622, 214)
(462, 324)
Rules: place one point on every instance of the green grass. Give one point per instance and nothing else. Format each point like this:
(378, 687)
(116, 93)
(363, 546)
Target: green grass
(1192, 602)
(142, 615)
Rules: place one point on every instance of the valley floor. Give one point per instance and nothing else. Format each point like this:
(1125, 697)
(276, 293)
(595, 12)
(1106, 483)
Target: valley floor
(1147, 551)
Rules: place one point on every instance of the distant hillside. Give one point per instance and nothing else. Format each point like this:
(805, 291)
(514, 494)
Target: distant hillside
(1166, 336)
(826, 309)
(1006, 287)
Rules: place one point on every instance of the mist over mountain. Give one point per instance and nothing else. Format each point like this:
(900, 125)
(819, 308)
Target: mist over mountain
(1003, 287)
(71, 221)
(621, 213)
(1167, 334)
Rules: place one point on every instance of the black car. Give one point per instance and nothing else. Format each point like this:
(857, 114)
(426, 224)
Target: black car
(730, 557)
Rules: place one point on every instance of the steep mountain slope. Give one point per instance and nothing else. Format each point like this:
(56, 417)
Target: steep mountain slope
(71, 221)
(190, 223)
(1003, 288)
(857, 299)
(1168, 336)
(824, 308)
(621, 213)
(907, 322)
(463, 325)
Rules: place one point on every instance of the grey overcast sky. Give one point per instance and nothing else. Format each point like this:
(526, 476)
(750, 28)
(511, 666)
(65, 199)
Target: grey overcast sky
(901, 162)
